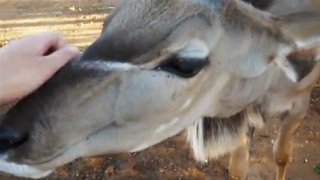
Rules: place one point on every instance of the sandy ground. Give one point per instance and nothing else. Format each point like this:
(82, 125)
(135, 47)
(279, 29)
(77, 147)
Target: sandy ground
(80, 22)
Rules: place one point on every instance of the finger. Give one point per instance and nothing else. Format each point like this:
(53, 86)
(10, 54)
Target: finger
(59, 58)
(44, 42)
(61, 44)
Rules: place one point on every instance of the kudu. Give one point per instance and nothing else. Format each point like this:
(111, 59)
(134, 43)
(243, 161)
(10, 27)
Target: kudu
(161, 66)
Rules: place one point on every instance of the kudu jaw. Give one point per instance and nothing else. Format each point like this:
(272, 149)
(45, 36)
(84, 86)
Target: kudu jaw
(157, 67)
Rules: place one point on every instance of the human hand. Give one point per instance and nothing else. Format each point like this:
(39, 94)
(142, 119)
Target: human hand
(25, 64)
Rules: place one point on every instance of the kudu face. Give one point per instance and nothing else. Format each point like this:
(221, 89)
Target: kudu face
(141, 82)
(157, 67)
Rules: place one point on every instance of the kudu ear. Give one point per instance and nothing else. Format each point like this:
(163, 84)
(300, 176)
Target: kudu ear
(299, 63)
(303, 27)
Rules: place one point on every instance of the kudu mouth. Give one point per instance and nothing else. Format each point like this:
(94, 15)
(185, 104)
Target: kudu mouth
(10, 139)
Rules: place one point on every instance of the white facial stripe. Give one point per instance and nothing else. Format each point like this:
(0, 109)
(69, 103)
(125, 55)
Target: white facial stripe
(168, 125)
(119, 66)
(287, 68)
(318, 57)
(284, 64)
(160, 129)
(141, 147)
(197, 49)
(309, 42)
(22, 170)
(318, 54)
(187, 103)
(109, 65)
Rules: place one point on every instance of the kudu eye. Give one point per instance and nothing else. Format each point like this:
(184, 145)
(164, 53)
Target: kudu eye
(188, 61)
(183, 67)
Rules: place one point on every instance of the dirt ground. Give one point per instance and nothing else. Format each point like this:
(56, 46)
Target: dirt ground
(80, 22)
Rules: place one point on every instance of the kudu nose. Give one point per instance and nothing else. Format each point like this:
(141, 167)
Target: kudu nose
(10, 139)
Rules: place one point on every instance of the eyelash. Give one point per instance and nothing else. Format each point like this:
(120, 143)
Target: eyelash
(183, 67)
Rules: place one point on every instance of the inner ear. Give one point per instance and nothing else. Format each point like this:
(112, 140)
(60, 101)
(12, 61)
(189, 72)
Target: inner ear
(299, 63)
(302, 62)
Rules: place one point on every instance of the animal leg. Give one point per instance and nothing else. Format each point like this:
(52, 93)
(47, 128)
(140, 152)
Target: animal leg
(239, 160)
(283, 146)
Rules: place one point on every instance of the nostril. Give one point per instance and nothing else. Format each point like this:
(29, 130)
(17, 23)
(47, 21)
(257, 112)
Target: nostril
(10, 139)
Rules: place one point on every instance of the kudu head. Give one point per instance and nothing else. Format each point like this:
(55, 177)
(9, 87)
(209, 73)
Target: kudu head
(157, 66)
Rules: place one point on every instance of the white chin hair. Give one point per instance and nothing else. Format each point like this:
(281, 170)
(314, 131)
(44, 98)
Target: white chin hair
(22, 170)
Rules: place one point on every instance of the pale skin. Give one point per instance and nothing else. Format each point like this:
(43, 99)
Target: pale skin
(27, 63)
